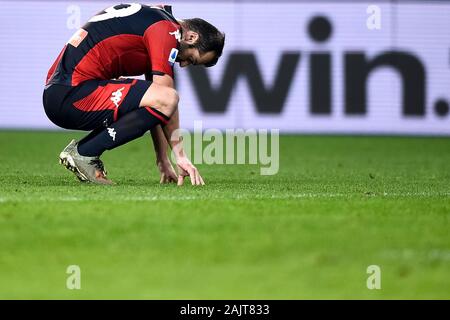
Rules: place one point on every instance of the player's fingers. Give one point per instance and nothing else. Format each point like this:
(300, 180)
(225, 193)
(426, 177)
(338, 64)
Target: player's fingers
(197, 177)
(192, 175)
(180, 180)
(201, 180)
(172, 177)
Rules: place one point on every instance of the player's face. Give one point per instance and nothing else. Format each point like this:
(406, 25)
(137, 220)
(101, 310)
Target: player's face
(192, 56)
(189, 54)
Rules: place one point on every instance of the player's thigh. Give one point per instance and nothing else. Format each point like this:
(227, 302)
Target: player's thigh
(53, 100)
(160, 97)
(102, 102)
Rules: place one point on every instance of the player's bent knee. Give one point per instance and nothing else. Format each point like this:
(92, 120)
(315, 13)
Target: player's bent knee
(165, 99)
(169, 100)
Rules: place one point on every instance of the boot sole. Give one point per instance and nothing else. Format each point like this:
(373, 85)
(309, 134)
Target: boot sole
(67, 161)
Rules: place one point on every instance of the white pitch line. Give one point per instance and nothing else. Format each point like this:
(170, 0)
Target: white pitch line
(414, 254)
(179, 198)
(237, 197)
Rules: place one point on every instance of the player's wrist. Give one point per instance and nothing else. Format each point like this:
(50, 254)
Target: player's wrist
(162, 159)
(178, 151)
(181, 158)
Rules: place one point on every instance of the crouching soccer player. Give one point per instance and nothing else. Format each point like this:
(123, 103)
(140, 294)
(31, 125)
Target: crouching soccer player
(126, 40)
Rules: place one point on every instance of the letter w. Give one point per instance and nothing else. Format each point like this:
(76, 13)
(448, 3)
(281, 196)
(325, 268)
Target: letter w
(243, 64)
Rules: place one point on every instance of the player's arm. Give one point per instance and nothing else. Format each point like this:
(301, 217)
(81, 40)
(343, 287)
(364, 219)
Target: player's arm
(167, 173)
(171, 132)
(161, 44)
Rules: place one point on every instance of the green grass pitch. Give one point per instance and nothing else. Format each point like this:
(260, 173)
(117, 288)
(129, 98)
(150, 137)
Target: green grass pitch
(338, 205)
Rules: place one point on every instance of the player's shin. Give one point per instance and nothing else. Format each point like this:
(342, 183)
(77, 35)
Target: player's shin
(129, 127)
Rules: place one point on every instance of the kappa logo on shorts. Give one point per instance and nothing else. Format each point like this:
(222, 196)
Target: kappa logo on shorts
(173, 56)
(112, 133)
(116, 96)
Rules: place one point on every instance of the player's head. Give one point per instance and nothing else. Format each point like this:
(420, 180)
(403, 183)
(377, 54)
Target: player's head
(201, 43)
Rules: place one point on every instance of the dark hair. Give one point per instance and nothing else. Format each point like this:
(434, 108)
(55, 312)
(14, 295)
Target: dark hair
(209, 38)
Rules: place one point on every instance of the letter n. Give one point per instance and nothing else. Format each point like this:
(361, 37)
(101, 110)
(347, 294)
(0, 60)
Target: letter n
(358, 69)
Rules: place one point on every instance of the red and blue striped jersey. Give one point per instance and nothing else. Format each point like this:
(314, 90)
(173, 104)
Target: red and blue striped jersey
(123, 40)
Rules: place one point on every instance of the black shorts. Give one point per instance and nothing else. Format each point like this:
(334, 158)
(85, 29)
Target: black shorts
(93, 103)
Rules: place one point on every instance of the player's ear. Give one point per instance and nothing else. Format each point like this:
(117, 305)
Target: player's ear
(190, 37)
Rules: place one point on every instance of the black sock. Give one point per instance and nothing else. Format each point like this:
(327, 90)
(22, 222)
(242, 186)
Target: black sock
(129, 127)
(91, 135)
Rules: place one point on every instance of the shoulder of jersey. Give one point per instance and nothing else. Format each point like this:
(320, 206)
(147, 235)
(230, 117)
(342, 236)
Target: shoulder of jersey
(164, 11)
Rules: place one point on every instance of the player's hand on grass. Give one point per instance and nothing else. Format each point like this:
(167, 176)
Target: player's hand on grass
(186, 168)
(167, 172)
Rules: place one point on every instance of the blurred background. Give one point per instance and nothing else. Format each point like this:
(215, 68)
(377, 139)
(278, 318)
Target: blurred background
(315, 70)
(371, 67)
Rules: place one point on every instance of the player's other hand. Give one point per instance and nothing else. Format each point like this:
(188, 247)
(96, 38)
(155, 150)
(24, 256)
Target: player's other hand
(167, 172)
(186, 168)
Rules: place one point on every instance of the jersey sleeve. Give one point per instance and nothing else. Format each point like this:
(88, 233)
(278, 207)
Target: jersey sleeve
(161, 41)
